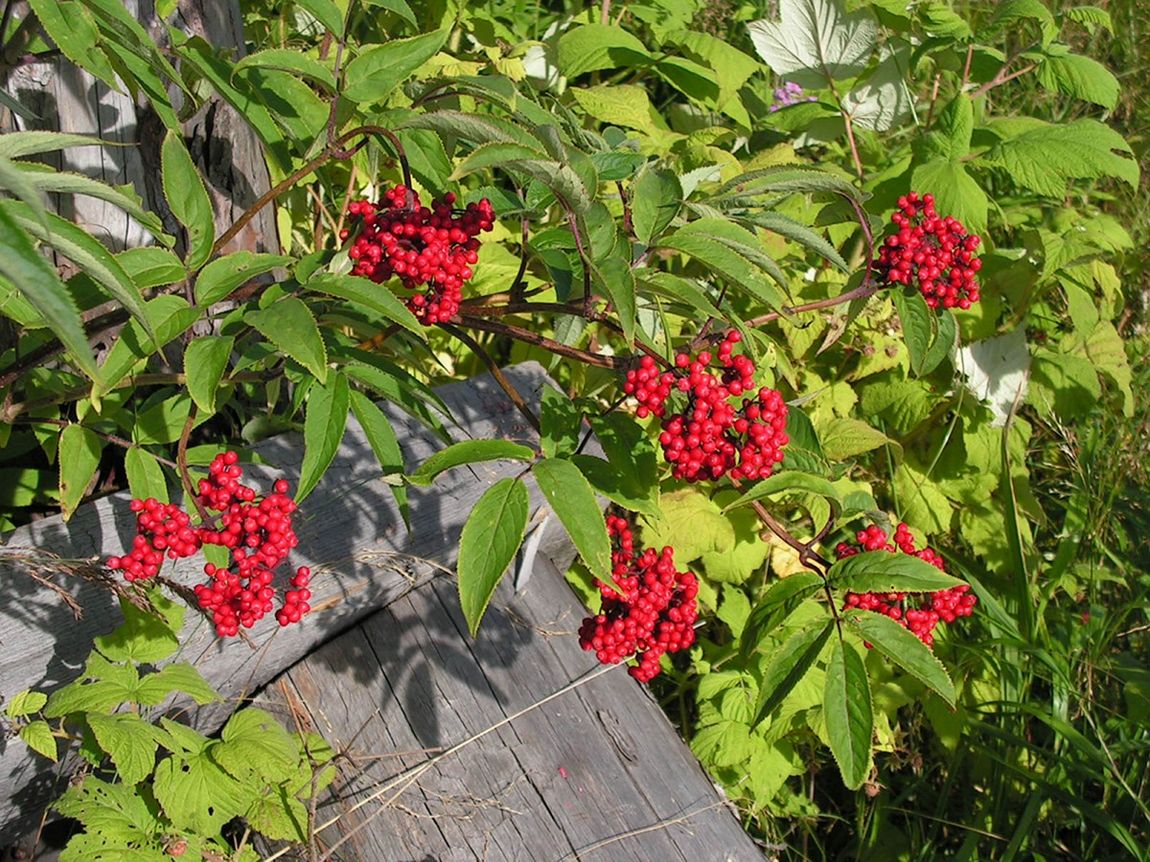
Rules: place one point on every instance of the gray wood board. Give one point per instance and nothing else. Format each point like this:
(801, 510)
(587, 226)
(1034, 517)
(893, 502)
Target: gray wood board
(350, 533)
(597, 773)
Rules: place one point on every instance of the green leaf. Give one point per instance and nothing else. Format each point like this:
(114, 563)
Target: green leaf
(491, 536)
(1042, 156)
(399, 7)
(886, 572)
(384, 443)
(778, 602)
(145, 476)
(326, 12)
(571, 497)
(169, 316)
(143, 637)
(724, 257)
(945, 342)
(19, 184)
(129, 741)
(177, 677)
(788, 481)
(478, 129)
(13, 145)
(800, 233)
(124, 197)
(25, 702)
(1078, 76)
(164, 420)
(656, 197)
(288, 324)
(323, 428)
(616, 485)
(955, 191)
(149, 266)
(904, 649)
(79, 455)
(848, 714)
(614, 276)
(790, 664)
(39, 283)
(375, 297)
(290, 60)
(589, 47)
(254, 743)
(219, 278)
(379, 69)
(1091, 17)
(561, 420)
(37, 735)
(205, 360)
(561, 179)
(845, 438)
(196, 794)
(919, 327)
(815, 42)
(469, 452)
(690, 522)
(188, 199)
(788, 178)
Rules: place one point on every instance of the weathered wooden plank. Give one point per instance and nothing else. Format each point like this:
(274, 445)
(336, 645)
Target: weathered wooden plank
(597, 773)
(351, 534)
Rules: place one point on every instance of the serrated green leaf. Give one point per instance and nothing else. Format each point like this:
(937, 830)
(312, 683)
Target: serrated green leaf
(19, 183)
(373, 296)
(205, 360)
(1041, 156)
(289, 325)
(800, 233)
(491, 536)
(955, 191)
(145, 476)
(656, 197)
(561, 421)
(848, 714)
(25, 702)
(904, 649)
(37, 735)
(616, 485)
(326, 12)
(789, 665)
(188, 199)
(323, 427)
(379, 69)
(570, 496)
(197, 794)
(788, 481)
(149, 266)
(178, 677)
(290, 60)
(164, 420)
(945, 342)
(589, 47)
(170, 316)
(13, 145)
(779, 601)
(614, 276)
(495, 154)
(469, 452)
(845, 438)
(385, 444)
(143, 637)
(129, 741)
(218, 279)
(476, 128)
(885, 572)
(78, 454)
(724, 257)
(1078, 76)
(254, 743)
(918, 327)
(41, 286)
(124, 197)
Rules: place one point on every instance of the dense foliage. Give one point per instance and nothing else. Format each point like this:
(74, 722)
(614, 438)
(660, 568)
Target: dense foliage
(816, 276)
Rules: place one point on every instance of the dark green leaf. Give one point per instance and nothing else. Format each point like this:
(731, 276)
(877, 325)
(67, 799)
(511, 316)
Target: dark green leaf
(615, 277)
(918, 327)
(323, 427)
(619, 486)
(379, 69)
(656, 197)
(848, 714)
(562, 421)
(491, 536)
(375, 297)
(219, 278)
(288, 324)
(326, 12)
(290, 60)
(38, 282)
(570, 496)
(885, 572)
(778, 602)
(205, 360)
(385, 445)
(788, 481)
(145, 476)
(169, 315)
(469, 452)
(790, 664)
(904, 649)
(188, 199)
(79, 456)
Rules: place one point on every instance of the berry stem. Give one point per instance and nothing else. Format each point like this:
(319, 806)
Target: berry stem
(182, 465)
(599, 360)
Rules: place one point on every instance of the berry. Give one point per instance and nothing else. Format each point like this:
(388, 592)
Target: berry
(918, 612)
(655, 614)
(712, 435)
(430, 248)
(934, 254)
(257, 531)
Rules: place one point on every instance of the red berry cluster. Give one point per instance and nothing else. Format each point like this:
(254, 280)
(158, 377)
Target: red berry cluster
(919, 612)
(432, 248)
(656, 613)
(713, 436)
(257, 531)
(935, 254)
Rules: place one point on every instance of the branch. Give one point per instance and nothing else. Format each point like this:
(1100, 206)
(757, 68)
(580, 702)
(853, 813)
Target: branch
(497, 373)
(615, 363)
